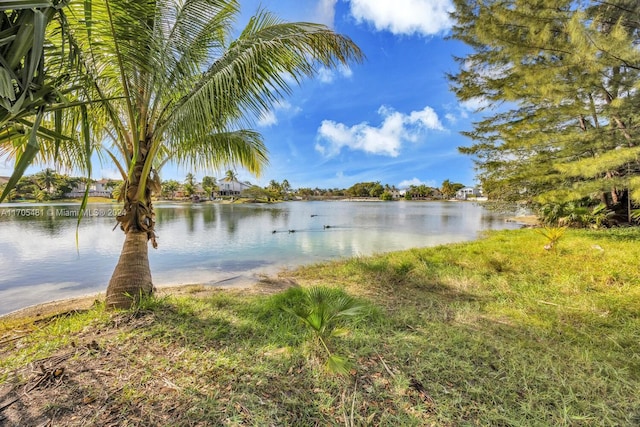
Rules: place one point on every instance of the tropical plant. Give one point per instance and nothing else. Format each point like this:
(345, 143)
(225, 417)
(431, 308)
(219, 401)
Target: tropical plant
(173, 88)
(209, 185)
(449, 188)
(256, 193)
(324, 312)
(46, 179)
(602, 217)
(189, 185)
(286, 187)
(386, 196)
(274, 189)
(230, 175)
(39, 74)
(553, 236)
(118, 191)
(169, 188)
(576, 214)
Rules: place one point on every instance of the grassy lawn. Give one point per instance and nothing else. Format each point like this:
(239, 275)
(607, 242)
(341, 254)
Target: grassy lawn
(497, 332)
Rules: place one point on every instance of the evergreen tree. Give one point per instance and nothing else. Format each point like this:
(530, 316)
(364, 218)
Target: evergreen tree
(558, 81)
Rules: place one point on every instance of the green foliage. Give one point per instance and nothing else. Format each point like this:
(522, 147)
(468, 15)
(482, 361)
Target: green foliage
(256, 192)
(449, 189)
(484, 333)
(324, 311)
(552, 234)
(386, 196)
(209, 185)
(365, 189)
(39, 77)
(420, 191)
(566, 99)
(577, 214)
(169, 188)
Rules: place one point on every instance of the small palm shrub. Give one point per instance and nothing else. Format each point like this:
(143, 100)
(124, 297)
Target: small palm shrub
(325, 312)
(553, 235)
(576, 214)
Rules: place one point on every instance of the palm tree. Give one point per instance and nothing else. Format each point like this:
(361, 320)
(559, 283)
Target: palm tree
(190, 179)
(286, 187)
(47, 179)
(209, 185)
(38, 73)
(230, 176)
(173, 87)
(169, 188)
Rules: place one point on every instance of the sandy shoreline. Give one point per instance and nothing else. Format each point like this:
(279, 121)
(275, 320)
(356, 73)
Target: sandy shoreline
(251, 284)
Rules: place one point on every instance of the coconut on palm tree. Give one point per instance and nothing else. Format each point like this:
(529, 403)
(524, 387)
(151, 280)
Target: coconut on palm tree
(175, 87)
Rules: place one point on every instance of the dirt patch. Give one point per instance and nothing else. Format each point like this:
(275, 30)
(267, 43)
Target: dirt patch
(83, 384)
(526, 220)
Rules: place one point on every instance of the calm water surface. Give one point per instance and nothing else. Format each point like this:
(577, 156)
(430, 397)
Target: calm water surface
(211, 243)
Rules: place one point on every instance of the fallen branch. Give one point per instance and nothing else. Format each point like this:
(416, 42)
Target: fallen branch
(11, 402)
(386, 367)
(353, 401)
(557, 305)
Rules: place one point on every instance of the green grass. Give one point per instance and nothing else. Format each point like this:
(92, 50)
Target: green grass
(495, 332)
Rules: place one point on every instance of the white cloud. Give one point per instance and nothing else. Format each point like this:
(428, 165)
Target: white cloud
(270, 118)
(415, 181)
(107, 174)
(267, 119)
(426, 17)
(386, 140)
(327, 75)
(325, 12)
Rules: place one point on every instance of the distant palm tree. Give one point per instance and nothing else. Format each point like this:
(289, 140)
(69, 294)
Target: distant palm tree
(47, 179)
(209, 185)
(169, 188)
(230, 176)
(172, 87)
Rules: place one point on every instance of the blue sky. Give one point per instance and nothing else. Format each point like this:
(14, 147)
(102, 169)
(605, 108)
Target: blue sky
(391, 118)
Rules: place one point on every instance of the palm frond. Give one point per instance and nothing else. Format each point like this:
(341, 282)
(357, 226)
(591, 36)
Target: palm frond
(249, 77)
(34, 78)
(220, 150)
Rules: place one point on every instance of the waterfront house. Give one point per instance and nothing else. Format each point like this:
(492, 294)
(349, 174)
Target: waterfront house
(231, 187)
(96, 189)
(468, 192)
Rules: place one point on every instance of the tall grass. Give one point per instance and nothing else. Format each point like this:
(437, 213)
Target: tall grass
(493, 332)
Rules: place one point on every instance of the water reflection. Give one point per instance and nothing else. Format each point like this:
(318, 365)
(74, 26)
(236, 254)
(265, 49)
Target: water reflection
(206, 243)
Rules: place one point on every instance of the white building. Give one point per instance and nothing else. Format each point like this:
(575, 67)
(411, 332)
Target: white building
(468, 192)
(96, 189)
(232, 187)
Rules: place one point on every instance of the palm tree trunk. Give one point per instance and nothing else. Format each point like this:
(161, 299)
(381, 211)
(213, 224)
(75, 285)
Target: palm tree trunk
(131, 278)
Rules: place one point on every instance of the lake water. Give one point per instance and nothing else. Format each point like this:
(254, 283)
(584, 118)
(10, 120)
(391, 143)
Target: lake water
(212, 243)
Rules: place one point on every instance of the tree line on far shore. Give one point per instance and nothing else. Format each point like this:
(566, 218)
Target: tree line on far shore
(50, 185)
